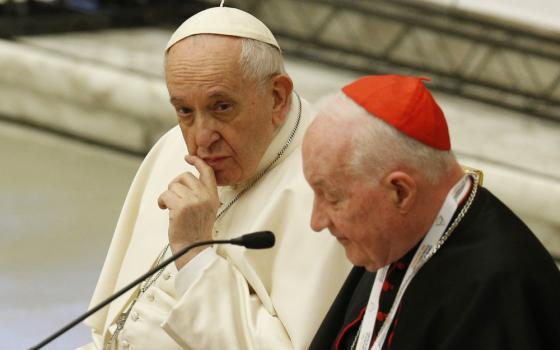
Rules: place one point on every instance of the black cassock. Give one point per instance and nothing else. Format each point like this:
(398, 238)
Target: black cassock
(491, 286)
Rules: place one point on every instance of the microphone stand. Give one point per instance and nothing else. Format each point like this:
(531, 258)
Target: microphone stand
(126, 288)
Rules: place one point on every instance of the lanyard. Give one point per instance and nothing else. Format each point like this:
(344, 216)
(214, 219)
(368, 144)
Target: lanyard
(422, 255)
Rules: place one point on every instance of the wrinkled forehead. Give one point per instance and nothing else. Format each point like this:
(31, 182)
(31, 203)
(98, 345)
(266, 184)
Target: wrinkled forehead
(204, 63)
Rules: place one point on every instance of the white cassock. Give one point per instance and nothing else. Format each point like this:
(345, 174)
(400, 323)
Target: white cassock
(228, 297)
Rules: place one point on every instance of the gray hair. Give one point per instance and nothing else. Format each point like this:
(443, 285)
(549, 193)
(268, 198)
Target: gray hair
(260, 61)
(379, 147)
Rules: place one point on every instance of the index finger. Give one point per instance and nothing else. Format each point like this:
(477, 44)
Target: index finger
(207, 176)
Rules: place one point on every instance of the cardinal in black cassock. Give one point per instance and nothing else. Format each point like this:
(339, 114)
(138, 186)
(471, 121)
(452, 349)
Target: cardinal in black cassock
(487, 284)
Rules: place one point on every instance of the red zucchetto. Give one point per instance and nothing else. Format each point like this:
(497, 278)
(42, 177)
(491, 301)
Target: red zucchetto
(405, 103)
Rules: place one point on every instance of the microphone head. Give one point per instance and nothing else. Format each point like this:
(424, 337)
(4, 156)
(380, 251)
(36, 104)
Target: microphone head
(256, 240)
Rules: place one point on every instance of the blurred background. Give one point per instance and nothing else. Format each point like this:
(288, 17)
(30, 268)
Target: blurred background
(82, 99)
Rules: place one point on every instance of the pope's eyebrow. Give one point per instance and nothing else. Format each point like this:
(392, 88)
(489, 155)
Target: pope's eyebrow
(174, 100)
(321, 183)
(218, 94)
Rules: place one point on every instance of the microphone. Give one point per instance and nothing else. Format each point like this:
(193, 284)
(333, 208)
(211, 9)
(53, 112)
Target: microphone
(256, 240)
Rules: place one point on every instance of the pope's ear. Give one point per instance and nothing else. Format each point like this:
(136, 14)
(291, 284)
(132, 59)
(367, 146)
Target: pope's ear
(282, 87)
(403, 190)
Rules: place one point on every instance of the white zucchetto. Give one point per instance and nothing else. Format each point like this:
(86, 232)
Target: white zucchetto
(224, 21)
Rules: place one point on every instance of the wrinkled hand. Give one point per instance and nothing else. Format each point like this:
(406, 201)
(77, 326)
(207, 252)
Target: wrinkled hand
(192, 203)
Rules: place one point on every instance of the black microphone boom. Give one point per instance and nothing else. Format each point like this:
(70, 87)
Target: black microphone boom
(256, 240)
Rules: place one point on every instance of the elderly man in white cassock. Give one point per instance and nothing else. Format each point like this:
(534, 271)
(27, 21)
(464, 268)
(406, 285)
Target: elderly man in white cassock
(242, 124)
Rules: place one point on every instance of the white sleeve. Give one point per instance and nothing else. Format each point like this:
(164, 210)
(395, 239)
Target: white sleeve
(193, 269)
(238, 319)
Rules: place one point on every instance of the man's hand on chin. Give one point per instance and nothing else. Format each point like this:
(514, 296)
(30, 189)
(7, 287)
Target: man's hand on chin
(192, 203)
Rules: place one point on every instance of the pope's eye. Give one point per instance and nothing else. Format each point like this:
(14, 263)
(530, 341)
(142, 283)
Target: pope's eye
(184, 113)
(332, 201)
(330, 198)
(223, 106)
